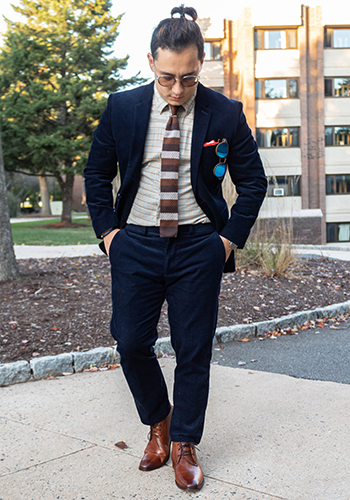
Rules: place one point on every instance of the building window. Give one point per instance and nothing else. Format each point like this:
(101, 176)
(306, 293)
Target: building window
(277, 137)
(275, 39)
(212, 51)
(337, 87)
(337, 38)
(338, 232)
(338, 184)
(283, 186)
(337, 136)
(286, 88)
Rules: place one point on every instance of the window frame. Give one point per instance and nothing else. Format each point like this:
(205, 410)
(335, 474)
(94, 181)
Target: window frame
(335, 229)
(335, 183)
(211, 42)
(263, 80)
(273, 183)
(333, 127)
(257, 32)
(260, 129)
(331, 79)
(328, 39)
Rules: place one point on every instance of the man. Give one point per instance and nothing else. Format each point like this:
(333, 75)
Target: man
(169, 235)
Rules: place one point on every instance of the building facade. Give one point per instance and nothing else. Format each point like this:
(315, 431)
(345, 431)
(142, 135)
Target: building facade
(294, 82)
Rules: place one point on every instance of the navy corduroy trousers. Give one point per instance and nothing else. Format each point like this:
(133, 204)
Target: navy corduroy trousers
(185, 271)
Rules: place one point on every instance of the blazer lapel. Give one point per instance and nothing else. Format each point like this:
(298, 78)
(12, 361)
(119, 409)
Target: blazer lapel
(141, 117)
(202, 117)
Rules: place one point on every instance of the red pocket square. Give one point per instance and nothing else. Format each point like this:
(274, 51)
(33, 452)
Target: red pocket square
(210, 143)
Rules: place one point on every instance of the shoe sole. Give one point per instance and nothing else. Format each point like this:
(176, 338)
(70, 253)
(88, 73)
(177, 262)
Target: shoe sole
(186, 488)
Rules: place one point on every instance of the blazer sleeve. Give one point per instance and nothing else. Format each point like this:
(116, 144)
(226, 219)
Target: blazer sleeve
(100, 170)
(247, 173)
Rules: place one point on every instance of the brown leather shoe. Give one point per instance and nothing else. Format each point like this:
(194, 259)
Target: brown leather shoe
(188, 472)
(157, 450)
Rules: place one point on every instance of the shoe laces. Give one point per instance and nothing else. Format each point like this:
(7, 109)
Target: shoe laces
(156, 431)
(187, 451)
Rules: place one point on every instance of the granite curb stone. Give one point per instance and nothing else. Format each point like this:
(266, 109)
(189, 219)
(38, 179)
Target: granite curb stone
(51, 366)
(94, 357)
(69, 363)
(235, 332)
(163, 347)
(329, 311)
(289, 321)
(13, 373)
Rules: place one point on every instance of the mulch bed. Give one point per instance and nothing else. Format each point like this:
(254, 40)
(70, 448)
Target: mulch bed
(63, 305)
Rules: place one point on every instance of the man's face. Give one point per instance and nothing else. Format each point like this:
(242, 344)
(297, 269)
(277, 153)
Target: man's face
(176, 64)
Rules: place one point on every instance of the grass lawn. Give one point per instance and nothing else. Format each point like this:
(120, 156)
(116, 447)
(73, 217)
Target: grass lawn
(33, 233)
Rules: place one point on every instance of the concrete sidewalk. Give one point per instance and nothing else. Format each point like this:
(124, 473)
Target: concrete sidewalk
(267, 436)
(55, 252)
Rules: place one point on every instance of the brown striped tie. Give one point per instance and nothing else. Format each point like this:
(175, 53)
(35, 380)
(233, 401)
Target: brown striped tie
(169, 177)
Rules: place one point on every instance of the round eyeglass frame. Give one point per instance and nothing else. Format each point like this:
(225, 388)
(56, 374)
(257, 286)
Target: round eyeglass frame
(221, 166)
(181, 80)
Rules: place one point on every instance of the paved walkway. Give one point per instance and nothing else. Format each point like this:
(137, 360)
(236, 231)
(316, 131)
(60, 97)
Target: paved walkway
(54, 252)
(267, 437)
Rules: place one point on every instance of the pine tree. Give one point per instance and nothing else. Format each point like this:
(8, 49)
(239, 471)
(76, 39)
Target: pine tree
(56, 70)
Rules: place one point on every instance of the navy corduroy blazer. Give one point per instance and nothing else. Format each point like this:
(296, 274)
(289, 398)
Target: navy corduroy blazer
(120, 139)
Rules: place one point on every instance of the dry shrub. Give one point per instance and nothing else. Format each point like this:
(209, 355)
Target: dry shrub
(269, 250)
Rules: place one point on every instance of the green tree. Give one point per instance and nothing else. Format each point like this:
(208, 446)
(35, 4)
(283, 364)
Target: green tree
(56, 71)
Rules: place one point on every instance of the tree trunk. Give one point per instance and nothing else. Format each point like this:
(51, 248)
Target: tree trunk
(8, 264)
(45, 197)
(67, 197)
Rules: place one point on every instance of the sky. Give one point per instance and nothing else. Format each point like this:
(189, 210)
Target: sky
(140, 18)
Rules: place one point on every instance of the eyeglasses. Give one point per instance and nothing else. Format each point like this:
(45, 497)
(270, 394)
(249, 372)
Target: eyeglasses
(222, 151)
(169, 81)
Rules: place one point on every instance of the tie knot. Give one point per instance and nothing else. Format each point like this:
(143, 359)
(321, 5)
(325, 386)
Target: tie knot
(174, 109)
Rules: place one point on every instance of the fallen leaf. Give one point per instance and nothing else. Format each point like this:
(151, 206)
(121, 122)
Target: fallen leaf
(241, 363)
(243, 340)
(122, 445)
(253, 360)
(92, 369)
(54, 328)
(165, 355)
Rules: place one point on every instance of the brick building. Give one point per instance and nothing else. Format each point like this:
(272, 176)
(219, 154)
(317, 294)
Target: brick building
(294, 82)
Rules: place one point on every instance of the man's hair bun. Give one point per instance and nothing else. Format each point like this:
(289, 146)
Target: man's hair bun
(188, 13)
(178, 32)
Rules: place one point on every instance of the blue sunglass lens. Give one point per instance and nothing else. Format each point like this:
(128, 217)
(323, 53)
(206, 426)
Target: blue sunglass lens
(222, 149)
(220, 170)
